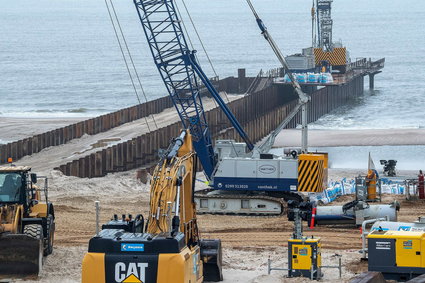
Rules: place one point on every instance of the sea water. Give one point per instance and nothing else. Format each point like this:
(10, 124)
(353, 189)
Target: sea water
(61, 58)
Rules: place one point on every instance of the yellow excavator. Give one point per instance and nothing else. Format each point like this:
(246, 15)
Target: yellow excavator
(167, 248)
(27, 222)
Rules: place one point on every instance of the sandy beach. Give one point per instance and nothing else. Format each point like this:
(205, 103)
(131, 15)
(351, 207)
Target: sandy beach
(369, 137)
(13, 129)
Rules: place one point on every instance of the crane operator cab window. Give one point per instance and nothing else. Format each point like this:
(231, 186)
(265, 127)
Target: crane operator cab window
(10, 187)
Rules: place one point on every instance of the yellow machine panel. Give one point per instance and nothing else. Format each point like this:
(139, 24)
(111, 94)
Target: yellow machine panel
(39, 210)
(408, 252)
(304, 255)
(93, 269)
(185, 267)
(337, 57)
(312, 172)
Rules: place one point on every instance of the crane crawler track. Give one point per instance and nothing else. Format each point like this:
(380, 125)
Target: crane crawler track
(232, 203)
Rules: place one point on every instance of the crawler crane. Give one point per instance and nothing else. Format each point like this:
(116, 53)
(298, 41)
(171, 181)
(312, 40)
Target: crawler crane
(244, 179)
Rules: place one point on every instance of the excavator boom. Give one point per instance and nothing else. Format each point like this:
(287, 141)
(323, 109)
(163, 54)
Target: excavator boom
(171, 199)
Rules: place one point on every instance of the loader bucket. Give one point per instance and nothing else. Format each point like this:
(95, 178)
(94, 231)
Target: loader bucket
(20, 255)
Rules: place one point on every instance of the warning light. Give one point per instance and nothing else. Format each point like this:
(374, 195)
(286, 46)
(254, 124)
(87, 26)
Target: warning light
(9, 160)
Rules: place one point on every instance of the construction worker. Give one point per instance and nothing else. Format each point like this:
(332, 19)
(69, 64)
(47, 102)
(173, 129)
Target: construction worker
(371, 178)
(421, 185)
(371, 184)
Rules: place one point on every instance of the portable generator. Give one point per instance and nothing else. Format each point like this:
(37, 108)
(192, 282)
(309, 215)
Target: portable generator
(399, 255)
(304, 253)
(304, 258)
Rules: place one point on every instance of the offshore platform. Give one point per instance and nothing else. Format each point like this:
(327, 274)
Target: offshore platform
(327, 56)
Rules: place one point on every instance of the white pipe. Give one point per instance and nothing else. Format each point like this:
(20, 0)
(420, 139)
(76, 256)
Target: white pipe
(365, 233)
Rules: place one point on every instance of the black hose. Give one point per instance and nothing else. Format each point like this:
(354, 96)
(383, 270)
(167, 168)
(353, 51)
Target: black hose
(349, 205)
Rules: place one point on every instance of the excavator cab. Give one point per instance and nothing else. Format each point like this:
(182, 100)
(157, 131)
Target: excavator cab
(26, 222)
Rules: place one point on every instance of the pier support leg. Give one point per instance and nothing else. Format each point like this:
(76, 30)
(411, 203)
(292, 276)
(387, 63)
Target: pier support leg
(371, 81)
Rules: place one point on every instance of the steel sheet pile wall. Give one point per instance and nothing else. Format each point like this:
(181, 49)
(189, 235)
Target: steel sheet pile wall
(34, 144)
(322, 102)
(259, 113)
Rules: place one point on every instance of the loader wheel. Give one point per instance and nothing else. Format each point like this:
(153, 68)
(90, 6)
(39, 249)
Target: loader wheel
(36, 231)
(48, 241)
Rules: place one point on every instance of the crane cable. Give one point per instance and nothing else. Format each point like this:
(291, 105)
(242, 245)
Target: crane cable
(200, 40)
(125, 59)
(252, 9)
(184, 26)
(190, 40)
(132, 62)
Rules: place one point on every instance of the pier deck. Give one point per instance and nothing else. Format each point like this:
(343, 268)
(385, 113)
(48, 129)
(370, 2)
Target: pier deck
(361, 67)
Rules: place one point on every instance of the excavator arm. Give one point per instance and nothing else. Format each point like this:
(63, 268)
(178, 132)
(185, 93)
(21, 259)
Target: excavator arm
(172, 208)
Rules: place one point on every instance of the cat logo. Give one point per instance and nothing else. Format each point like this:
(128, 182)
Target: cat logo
(131, 272)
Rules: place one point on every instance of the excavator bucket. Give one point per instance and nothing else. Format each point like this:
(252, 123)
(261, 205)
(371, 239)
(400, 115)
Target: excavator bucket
(20, 255)
(211, 255)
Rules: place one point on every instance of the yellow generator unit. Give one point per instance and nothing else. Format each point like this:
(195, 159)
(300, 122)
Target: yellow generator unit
(304, 258)
(399, 255)
(312, 172)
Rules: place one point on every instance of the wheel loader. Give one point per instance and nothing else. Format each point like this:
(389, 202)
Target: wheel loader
(27, 222)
